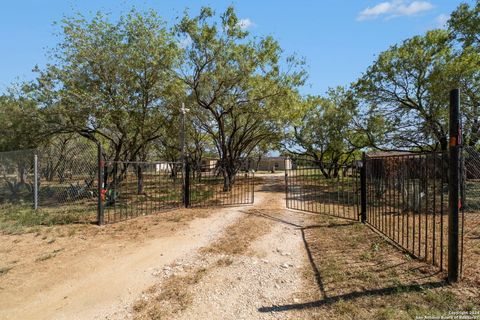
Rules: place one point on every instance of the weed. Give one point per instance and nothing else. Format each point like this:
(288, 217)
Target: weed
(50, 255)
(45, 257)
(224, 262)
(4, 270)
(366, 256)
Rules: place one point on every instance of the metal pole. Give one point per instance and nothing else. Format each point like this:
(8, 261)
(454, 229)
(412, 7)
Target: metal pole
(185, 166)
(453, 196)
(363, 189)
(35, 182)
(100, 186)
(182, 132)
(186, 185)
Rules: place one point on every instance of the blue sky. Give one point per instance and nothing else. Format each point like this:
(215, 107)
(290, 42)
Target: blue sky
(338, 38)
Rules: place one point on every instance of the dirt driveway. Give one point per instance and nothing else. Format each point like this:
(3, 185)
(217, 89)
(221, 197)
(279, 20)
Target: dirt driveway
(86, 272)
(251, 262)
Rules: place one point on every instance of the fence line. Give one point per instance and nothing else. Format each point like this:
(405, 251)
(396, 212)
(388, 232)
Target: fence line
(60, 179)
(407, 201)
(316, 187)
(70, 179)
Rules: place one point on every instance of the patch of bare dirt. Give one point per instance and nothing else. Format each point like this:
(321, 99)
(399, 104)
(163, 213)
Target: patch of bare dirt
(87, 272)
(255, 263)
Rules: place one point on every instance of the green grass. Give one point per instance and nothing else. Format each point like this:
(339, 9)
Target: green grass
(20, 219)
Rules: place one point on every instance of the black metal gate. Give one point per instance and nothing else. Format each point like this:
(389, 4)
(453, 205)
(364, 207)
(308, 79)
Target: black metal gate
(133, 189)
(210, 185)
(407, 201)
(316, 187)
(405, 198)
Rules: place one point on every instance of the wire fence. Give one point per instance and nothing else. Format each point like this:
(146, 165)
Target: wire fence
(59, 179)
(470, 210)
(17, 174)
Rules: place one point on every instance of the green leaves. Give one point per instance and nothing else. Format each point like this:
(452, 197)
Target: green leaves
(326, 130)
(237, 90)
(113, 81)
(407, 87)
(464, 24)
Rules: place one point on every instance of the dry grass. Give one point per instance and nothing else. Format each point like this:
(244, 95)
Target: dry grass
(238, 237)
(175, 293)
(173, 296)
(355, 274)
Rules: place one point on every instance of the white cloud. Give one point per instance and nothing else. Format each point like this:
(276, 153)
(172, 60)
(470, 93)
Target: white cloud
(394, 8)
(442, 20)
(245, 24)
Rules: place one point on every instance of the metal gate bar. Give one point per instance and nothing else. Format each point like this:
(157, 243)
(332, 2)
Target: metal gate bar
(133, 189)
(312, 186)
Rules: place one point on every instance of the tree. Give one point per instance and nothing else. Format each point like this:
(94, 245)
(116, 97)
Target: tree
(465, 24)
(112, 83)
(20, 124)
(325, 130)
(237, 91)
(407, 88)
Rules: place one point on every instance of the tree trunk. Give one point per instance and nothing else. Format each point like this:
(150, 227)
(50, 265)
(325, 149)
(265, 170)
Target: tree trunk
(139, 179)
(22, 173)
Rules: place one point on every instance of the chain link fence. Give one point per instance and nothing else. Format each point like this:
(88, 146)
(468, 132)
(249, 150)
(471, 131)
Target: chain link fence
(470, 210)
(60, 180)
(17, 178)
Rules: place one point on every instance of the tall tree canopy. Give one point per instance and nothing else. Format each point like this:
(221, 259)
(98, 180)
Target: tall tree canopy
(325, 129)
(406, 86)
(20, 123)
(112, 82)
(238, 93)
(464, 26)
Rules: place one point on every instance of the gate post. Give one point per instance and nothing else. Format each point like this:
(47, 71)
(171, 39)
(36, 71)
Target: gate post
(453, 188)
(363, 189)
(186, 184)
(100, 186)
(35, 181)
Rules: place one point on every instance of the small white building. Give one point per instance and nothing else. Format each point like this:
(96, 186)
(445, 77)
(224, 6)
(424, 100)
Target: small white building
(162, 167)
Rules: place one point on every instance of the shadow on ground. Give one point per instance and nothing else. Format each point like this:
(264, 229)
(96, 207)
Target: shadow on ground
(357, 271)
